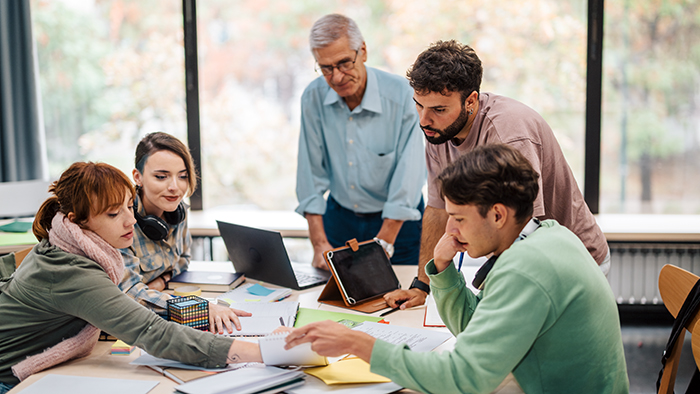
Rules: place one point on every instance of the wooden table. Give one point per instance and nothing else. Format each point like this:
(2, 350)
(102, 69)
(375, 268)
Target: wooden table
(102, 364)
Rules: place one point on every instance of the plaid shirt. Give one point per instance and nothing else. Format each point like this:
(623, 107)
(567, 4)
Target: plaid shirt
(146, 260)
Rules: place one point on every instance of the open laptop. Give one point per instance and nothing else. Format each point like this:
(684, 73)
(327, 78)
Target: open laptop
(260, 254)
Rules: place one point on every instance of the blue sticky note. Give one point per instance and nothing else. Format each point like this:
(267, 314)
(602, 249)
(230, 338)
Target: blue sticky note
(259, 290)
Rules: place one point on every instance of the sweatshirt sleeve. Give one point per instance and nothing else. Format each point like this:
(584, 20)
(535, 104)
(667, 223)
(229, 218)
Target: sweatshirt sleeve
(494, 340)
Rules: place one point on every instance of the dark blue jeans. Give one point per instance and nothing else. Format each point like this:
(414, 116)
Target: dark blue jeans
(343, 224)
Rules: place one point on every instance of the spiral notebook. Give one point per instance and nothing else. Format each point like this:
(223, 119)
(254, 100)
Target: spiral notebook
(254, 379)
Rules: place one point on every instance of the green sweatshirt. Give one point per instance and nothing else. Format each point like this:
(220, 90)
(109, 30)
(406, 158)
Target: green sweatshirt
(53, 294)
(546, 313)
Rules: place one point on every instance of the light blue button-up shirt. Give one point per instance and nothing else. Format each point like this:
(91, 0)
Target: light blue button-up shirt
(371, 158)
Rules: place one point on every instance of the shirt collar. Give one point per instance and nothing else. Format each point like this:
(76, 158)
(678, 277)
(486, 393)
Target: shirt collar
(370, 101)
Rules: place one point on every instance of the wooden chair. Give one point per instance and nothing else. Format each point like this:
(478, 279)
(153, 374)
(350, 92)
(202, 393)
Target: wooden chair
(7, 262)
(19, 256)
(674, 286)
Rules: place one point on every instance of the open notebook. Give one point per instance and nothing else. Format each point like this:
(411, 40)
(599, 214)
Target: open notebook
(267, 316)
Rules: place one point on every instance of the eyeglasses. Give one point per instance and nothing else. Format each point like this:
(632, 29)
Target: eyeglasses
(344, 66)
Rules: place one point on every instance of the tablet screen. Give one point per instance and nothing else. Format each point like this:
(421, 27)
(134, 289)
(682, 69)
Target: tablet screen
(364, 274)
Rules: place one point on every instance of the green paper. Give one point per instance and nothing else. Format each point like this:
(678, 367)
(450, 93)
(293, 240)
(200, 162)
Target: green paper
(8, 239)
(16, 227)
(306, 316)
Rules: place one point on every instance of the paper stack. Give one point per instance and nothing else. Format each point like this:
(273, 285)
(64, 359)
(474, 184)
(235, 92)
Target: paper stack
(122, 348)
(245, 381)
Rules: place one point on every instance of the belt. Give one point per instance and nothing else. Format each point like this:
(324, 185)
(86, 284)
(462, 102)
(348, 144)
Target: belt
(367, 215)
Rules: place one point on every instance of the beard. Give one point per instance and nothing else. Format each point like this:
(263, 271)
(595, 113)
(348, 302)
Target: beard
(450, 131)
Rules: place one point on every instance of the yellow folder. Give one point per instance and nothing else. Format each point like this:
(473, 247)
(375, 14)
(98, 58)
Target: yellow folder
(345, 371)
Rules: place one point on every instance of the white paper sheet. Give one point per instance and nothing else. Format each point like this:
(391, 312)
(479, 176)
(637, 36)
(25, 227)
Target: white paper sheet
(66, 384)
(418, 339)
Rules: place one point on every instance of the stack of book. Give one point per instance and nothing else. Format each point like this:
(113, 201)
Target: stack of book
(208, 281)
(256, 378)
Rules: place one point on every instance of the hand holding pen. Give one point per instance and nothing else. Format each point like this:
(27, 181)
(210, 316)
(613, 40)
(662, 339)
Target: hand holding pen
(398, 306)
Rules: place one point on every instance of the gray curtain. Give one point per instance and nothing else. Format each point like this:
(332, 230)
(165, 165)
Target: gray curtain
(22, 141)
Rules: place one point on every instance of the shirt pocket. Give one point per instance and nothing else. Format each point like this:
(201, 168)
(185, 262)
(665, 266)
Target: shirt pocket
(377, 170)
(151, 266)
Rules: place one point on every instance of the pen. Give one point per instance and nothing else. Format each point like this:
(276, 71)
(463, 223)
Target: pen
(393, 310)
(461, 258)
(281, 321)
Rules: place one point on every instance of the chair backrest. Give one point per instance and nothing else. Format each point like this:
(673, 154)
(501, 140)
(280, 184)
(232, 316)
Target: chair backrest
(21, 199)
(10, 262)
(674, 286)
(19, 256)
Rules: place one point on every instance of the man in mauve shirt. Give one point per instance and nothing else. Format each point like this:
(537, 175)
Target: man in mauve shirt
(455, 118)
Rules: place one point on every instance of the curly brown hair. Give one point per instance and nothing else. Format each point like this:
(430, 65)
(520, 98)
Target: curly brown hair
(491, 174)
(446, 66)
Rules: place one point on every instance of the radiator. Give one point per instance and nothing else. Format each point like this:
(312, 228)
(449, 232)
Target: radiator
(634, 273)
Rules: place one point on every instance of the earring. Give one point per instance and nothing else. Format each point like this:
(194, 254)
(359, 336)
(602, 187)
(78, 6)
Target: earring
(471, 111)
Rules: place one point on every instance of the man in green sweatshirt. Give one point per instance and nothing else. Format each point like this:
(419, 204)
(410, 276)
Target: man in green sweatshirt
(545, 311)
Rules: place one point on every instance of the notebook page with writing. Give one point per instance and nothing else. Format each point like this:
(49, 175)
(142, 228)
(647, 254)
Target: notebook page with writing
(418, 339)
(274, 353)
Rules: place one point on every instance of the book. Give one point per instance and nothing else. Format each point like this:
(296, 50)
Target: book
(273, 352)
(254, 292)
(267, 316)
(208, 281)
(253, 379)
(181, 372)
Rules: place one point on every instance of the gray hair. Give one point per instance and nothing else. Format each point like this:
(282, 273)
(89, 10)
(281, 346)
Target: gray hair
(332, 27)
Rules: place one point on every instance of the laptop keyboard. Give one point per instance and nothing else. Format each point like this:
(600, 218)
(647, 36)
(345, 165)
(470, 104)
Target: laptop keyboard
(304, 278)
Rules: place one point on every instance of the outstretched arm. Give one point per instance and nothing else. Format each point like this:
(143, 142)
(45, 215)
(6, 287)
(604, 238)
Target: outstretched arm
(434, 222)
(332, 339)
(244, 352)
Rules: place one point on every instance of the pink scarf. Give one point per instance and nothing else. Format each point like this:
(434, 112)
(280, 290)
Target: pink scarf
(72, 239)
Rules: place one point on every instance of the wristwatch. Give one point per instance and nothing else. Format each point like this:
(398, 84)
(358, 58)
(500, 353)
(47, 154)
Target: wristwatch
(389, 248)
(420, 285)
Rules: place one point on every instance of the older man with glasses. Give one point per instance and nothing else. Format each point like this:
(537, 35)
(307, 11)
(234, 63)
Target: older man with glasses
(360, 141)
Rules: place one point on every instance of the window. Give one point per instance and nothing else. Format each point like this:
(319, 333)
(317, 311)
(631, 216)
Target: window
(651, 106)
(254, 63)
(113, 70)
(110, 72)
